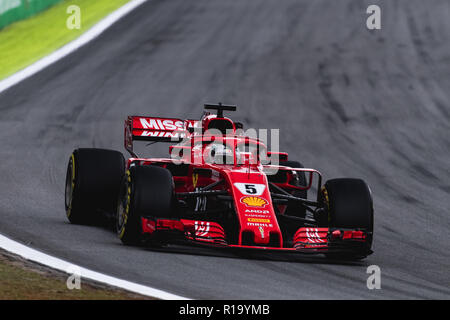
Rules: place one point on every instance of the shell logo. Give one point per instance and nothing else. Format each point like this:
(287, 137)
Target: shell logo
(254, 201)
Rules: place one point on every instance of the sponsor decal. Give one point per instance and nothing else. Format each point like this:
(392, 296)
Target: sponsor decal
(256, 215)
(161, 124)
(313, 235)
(258, 220)
(161, 134)
(201, 228)
(257, 211)
(254, 202)
(258, 224)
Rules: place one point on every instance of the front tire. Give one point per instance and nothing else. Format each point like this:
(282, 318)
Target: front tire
(147, 191)
(348, 204)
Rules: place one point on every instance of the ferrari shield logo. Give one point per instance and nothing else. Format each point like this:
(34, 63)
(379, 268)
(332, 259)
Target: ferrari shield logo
(261, 230)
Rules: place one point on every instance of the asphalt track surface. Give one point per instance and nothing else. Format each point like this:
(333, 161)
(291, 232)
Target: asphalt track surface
(348, 101)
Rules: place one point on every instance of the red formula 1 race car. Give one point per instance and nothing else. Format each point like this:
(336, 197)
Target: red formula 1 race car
(219, 187)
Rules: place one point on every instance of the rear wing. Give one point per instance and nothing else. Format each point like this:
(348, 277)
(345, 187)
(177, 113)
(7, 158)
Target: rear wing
(155, 129)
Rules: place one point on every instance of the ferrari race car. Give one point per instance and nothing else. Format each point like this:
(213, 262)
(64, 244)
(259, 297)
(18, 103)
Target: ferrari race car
(219, 187)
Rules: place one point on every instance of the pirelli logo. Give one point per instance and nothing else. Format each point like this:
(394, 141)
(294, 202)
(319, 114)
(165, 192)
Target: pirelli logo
(258, 220)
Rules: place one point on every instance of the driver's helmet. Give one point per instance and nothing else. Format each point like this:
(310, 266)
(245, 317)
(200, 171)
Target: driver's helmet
(219, 153)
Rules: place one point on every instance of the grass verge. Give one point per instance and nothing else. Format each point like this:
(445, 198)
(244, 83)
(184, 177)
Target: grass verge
(27, 41)
(24, 280)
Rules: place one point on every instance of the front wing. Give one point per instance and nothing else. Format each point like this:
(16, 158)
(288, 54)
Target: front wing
(305, 240)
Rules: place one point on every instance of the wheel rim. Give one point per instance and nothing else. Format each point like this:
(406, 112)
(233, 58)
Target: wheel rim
(120, 208)
(123, 205)
(70, 183)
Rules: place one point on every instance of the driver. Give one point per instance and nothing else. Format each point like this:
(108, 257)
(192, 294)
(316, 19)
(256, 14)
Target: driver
(218, 153)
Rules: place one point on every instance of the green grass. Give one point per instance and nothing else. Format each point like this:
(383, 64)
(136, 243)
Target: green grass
(21, 280)
(27, 41)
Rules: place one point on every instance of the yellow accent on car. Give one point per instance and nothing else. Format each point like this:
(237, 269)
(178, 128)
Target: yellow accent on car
(327, 201)
(69, 208)
(127, 207)
(194, 179)
(258, 220)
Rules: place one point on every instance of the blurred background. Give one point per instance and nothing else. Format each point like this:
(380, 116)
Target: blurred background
(349, 101)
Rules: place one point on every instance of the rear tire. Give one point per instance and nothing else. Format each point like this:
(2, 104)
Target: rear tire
(147, 191)
(92, 184)
(348, 203)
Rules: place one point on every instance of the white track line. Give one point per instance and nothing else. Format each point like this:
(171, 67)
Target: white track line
(40, 257)
(86, 37)
(66, 267)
